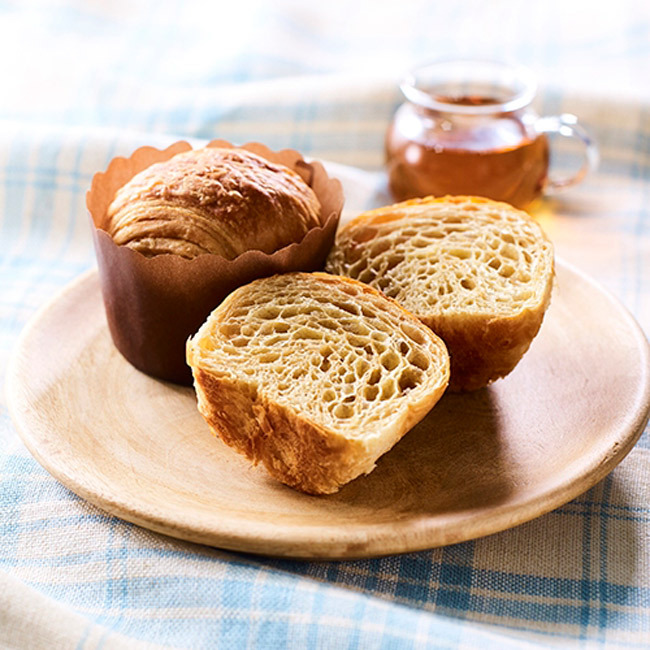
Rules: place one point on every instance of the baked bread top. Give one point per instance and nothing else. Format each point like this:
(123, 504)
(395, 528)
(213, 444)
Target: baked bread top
(314, 375)
(478, 272)
(213, 200)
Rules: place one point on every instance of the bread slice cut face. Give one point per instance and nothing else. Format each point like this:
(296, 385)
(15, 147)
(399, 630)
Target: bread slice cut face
(315, 376)
(478, 272)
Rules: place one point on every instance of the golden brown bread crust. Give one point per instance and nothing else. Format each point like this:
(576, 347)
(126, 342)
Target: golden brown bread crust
(478, 272)
(484, 350)
(293, 450)
(315, 376)
(213, 200)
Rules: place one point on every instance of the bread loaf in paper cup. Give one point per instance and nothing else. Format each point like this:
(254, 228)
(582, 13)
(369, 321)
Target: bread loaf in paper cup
(176, 230)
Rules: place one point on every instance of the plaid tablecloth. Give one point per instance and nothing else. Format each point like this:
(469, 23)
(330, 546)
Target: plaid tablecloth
(83, 82)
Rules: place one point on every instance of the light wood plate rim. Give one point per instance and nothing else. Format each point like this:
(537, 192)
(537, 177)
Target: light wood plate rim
(355, 540)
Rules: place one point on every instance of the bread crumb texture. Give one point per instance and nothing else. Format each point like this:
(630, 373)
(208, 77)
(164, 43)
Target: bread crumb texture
(478, 272)
(315, 375)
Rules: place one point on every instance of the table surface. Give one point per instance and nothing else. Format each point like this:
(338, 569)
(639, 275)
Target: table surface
(84, 82)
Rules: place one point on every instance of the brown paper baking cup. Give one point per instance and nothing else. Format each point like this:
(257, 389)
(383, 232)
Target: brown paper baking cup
(153, 304)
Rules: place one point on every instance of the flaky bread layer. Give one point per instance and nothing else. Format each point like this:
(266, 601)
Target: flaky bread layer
(213, 200)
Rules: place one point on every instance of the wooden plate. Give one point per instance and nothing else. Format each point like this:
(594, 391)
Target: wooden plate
(479, 463)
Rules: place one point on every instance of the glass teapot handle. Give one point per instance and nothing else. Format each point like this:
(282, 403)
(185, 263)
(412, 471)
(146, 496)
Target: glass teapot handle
(567, 126)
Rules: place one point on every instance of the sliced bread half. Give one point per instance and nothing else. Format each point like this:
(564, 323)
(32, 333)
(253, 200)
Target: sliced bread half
(478, 272)
(314, 375)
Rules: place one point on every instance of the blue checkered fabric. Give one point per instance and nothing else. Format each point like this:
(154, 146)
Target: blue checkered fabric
(84, 82)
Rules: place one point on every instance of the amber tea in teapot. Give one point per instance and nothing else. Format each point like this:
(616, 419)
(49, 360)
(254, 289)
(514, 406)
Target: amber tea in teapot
(469, 128)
